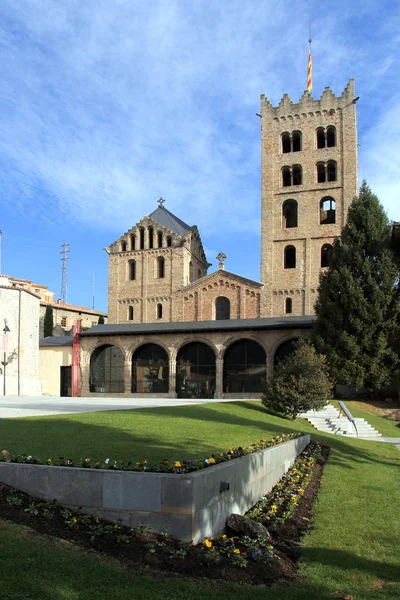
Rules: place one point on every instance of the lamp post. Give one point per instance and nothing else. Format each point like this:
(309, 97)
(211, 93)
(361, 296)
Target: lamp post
(12, 356)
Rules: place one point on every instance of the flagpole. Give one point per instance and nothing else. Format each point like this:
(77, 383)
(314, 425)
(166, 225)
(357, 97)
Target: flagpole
(309, 66)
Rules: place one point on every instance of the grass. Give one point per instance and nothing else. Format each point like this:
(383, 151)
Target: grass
(352, 549)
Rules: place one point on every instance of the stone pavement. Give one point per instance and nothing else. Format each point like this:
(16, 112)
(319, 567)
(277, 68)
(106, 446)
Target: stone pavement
(39, 406)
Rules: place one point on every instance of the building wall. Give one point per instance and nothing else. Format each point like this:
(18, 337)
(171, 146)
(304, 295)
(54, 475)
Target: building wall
(270, 340)
(51, 358)
(68, 313)
(300, 283)
(21, 309)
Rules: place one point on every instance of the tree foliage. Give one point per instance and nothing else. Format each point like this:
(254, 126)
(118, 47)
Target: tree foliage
(48, 322)
(101, 320)
(357, 298)
(301, 382)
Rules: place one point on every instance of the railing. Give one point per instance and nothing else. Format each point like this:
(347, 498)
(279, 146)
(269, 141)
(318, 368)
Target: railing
(348, 414)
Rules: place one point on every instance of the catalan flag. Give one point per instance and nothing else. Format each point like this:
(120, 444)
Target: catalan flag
(309, 72)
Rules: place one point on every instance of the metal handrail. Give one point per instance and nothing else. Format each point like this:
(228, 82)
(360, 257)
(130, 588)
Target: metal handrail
(348, 414)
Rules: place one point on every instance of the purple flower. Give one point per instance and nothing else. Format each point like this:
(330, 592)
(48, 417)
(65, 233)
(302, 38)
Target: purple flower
(255, 554)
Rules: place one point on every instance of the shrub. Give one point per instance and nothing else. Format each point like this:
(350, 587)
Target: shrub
(301, 382)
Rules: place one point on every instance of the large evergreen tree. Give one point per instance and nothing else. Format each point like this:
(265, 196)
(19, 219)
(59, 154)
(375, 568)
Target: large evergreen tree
(48, 321)
(356, 298)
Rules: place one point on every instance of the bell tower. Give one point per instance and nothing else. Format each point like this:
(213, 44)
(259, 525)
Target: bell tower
(308, 180)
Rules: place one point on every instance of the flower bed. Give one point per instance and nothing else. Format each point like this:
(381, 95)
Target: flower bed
(165, 466)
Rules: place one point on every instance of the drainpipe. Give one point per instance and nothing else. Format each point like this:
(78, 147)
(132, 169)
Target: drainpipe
(75, 359)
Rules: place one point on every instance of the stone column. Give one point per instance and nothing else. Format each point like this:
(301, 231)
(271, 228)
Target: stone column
(172, 378)
(219, 378)
(127, 375)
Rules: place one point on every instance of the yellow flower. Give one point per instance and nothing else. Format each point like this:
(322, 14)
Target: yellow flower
(221, 453)
(224, 537)
(177, 464)
(273, 507)
(236, 551)
(207, 543)
(49, 461)
(301, 491)
(212, 461)
(294, 498)
(229, 457)
(74, 520)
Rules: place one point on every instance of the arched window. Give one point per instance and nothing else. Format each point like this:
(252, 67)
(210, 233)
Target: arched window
(198, 273)
(151, 237)
(285, 349)
(297, 175)
(132, 270)
(286, 177)
(159, 239)
(130, 313)
(331, 170)
(195, 371)
(321, 174)
(320, 137)
(222, 308)
(133, 242)
(326, 253)
(290, 257)
(159, 311)
(150, 370)
(245, 368)
(289, 214)
(123, 246)
(330, 136)
(169, 241)
(327, 211)
(106, 370)
(141, 233)
(160, 267)
(286, 144)
(190, 272)
(288, 306)
(296, 141)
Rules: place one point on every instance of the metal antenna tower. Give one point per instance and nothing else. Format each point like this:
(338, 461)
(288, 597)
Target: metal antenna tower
(64, 259)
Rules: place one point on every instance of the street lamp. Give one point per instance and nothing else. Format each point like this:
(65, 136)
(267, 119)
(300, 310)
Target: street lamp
(11, 357)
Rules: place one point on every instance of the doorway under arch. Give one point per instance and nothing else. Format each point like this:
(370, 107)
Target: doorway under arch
(195, 371)
(245, 367)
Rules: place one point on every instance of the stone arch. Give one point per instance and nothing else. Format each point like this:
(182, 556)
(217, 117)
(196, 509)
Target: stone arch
(106, 373)
(284, 349)
(150, 369)
(245, 366)
(195, 370)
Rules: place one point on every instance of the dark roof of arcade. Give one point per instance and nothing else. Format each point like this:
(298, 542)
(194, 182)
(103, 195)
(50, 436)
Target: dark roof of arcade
(193, 326)
(167, 219)
(56, 340)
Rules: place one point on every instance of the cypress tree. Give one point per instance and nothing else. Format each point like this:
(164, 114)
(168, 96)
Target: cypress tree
(356, 298)
(48, 321)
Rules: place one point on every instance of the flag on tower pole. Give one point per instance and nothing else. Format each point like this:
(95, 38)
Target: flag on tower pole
(309, 72)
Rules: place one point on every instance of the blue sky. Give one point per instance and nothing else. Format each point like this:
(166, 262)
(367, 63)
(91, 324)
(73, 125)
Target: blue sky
(106, 105)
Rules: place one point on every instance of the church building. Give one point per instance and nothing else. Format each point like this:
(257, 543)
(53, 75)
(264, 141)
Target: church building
(176, 331)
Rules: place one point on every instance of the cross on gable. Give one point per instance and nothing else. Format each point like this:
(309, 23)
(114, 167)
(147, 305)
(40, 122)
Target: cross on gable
(161, 202)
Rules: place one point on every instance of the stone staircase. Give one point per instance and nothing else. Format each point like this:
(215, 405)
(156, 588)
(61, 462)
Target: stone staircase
(330, 420)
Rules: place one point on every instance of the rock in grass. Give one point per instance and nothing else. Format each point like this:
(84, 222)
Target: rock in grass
(245, 526)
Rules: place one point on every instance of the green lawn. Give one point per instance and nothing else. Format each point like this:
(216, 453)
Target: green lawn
(352, 548)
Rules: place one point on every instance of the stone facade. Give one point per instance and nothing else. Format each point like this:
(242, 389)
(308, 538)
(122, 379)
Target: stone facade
(64, 316)
(308, 153)
(21, 310)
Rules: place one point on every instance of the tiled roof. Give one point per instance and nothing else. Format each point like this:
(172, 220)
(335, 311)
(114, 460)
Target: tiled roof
(56, 340)
(167, 219)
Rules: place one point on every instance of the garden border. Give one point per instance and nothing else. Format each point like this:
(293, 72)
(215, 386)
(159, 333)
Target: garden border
(190, 506)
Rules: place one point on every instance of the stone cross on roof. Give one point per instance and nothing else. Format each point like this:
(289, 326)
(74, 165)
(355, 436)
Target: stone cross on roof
(221, 257)
(161, 202)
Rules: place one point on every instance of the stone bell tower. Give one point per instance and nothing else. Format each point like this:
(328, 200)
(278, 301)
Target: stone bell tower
(308, 178)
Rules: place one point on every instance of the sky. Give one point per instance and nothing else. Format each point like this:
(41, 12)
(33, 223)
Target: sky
(106, 105)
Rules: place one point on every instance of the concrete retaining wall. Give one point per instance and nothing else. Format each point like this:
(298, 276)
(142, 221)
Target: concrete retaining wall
(189, 506)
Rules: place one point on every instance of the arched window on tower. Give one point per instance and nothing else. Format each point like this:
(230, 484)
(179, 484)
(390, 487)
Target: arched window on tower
(133, 242)
(296, 141)
(123, 246)
(159, 311)
(327, 211)
(159, 239)
(141, 233)
(331, 170)
(160, 267)
(289, 214)
(297, 175)
(151, 237)
(290, 257)
(169, 241)
(286, 143)
(222, 309)
(320, 137)
(288, 306)
(321, 175)
(326, 253)
(132, 270)
(130, 313)
(286, 177)
(330, 136)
